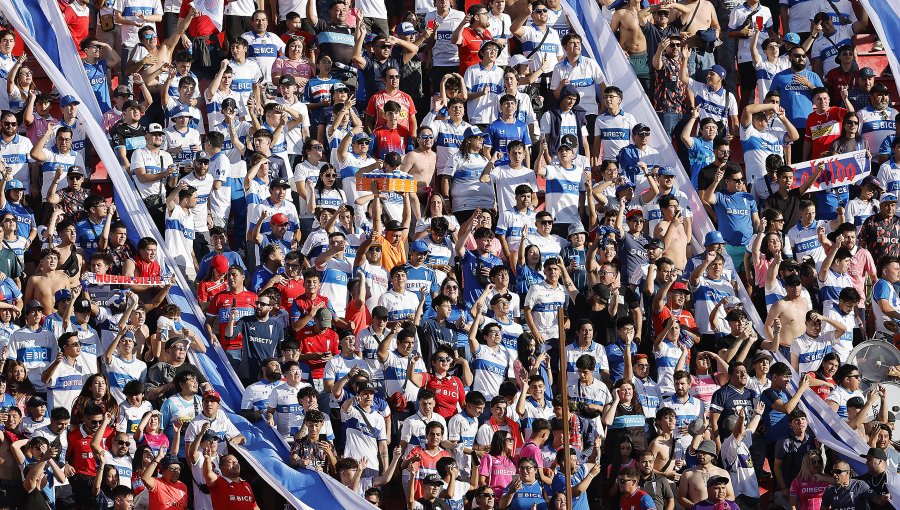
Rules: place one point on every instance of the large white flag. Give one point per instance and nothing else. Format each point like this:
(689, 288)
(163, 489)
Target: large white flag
(215, 9)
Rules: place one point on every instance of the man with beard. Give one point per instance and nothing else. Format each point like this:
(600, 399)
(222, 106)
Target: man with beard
(795, 85)
(228, 490)
(260, 334)
(656, 486)
(255, 400)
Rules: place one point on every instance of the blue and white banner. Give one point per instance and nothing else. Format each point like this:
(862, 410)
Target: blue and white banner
(215, 9)
(600, 43)
(884, 15)
(840, 170)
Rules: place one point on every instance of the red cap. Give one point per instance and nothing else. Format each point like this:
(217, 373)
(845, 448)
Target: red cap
(212, 395)
(219, 263)
(640, 356)
(679, 286)
(634, 212)
(279, 219)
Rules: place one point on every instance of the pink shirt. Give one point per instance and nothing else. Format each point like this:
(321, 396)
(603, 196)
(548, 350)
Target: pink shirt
(295, 68)
(531, 451)
(861, 264)
(155, 441)
(499, 472)
(809, 494)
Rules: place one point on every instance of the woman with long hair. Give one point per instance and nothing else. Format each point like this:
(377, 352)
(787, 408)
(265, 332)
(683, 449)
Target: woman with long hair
(17, 383)
(625, 418)
(95, 391)
(807, 489)
(530, 361)
(295, 62)
(143, 457)
(440, 379)
(485, 219)
(464, 182)
(106, 480)
(459, 311)
(528, 268)
(497, 467)
(20, 85)
(436, 208)
(822, 380)
(621, 456)
(71, 258)
(851, 136)
(326, 193)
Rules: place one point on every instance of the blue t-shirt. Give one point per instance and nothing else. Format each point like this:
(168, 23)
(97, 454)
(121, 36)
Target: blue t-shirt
(776, 425)
(796, 98)
(735, 212)
(471, 263)
(96, 73)
(559, 486)
(500, 134)
(615, 355)
(529, 495)
(699, 155)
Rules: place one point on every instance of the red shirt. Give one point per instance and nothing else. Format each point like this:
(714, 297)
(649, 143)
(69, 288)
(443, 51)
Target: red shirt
(448, 392)
(200, 26)
(207, 289)
(79, 453)
(228, 495)
(307, 37)
(290, 291)
(427, 465)
(375, 108)
(822, 129)
(835, 78)
(387, 140)
(168, 496)
(468, 50)
(822, 391)
(326, 341)
(220, 309)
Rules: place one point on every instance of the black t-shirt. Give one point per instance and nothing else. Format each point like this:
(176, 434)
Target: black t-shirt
(125, 135)
(336, 41)
(789, 207)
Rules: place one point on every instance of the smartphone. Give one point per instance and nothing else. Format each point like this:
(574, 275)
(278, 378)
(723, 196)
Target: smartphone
(759, 24)
(431, 24)
(515, 478)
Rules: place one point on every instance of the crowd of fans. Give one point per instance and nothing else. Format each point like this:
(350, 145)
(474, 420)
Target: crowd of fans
(407, 343)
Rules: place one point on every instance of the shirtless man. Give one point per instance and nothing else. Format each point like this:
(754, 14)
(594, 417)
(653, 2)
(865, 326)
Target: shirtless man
(664, 444)
(46, 280)
(10, 476)
(421, 163)
(790, 313)
(627, 22)
(705, 18)
(671, 230)
(692, 487)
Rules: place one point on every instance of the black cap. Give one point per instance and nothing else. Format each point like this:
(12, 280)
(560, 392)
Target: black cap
(879, 88)
(716, 480)
(279, 183)
(176, 339)
(82, 306)
(792, 280)
(875, 453)
(34, 304)
(497, 297)
(287, 80)
(393, 225)
(363, 387)
(640, 127)
(380, 312)
(602, 291)
(856, 403)
(36, 401)
(131, 103)
(655, 243)
(432, 479)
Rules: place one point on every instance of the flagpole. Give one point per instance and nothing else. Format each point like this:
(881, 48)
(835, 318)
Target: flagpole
(564, 385)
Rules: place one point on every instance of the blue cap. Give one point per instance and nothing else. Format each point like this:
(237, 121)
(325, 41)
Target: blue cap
(62, 294)
(666, 170)
(623, 187)
(180, 111)
(406, 29)
(568, 90)
(67, 100)
(15, 184)
(419, 246)
(360, 137)
(719, 70)
(714, 237)
(888, 197)
(792, 38)
(473, 131)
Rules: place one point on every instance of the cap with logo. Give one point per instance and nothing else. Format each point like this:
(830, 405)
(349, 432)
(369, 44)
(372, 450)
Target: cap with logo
(361, 137)
(280, 182)
(406, 29)
(154, 128)
(714, 237)
(419, 246)
(568, 141)
(68, 100)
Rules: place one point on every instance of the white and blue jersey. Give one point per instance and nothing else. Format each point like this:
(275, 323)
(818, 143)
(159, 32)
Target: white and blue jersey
(706, 295)
(685, 413)
(53, 160)
(422, 280)
(544, 302)
(666, 355)
(840, 395)
(490, 368)
(173, 85)
(16, 155)
(25, 225)
(844, 344)
(533, 411)
(335, 275)
(889, 175)
(810, 351)
(131, 9)
(96, 74)
(614, 132)
(594, 350)
(152, 164)
(825, 47)
(830, 289)
(514, 224)
(461, 428)
(804, 241)
(718, 105)
(448, 137)
(264, 49)
(883, 290)
(244, 77)
(121, 371)
(509, 334)
(67, 382)
(546, 53)
(564, 186)
(256, 396)
(179, 237)
(465, 185)
(478, 78)
(876, 125)
(445, 53)
(757, 146)
(401, 307)
(283, 400)
(586, 75)
(33, 349)
(186, 140)
(568, 125)
(231, 176)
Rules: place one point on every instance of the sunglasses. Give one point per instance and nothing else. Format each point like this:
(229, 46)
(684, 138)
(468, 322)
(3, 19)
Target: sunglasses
(839, 471)
(259, 303)
(316, 147)
(443, 359)
(540, 11)
(426, 137)
(546, 222)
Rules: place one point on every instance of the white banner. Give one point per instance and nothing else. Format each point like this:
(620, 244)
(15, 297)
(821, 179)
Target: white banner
(215, 9)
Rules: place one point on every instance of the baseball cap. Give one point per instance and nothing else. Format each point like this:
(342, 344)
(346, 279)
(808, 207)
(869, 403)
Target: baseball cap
(82, 306)
(433, 479)
(122, 91)
(131, 103)
(856, 403)
(719, 70)
(36, 401)
(359, 137)
(517, 59)
(569, 141)
(280, 182)
(75, 169)
(866, 72)
(34, 304)
(888, 197)
(716, 480)
(568, 90)
(181, 111)
(154, 128)
(380, 312)
(279, 219)
(872, 181)
(393, 226)
(406, 29)
(15, 184)
(62, 294)
(287, 80)
(324, 316)
(602, 291)
(419, 246)
(364, 387)
(763, 355)
(339, 87)
(201, 156)
(220, 263)
(792, 280)
(623, 187)
(209, 436)
(212, 395)
(655, 243)
(497, 297)
(666, 170)
(229, 102)
(714, 237)
(792, 38)
(679, 287)
(67, 100)
(473, 131)
(168, 460)
(175, 340)
(640, 128)
(879, 88)
(875, 453)
(634, 213)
